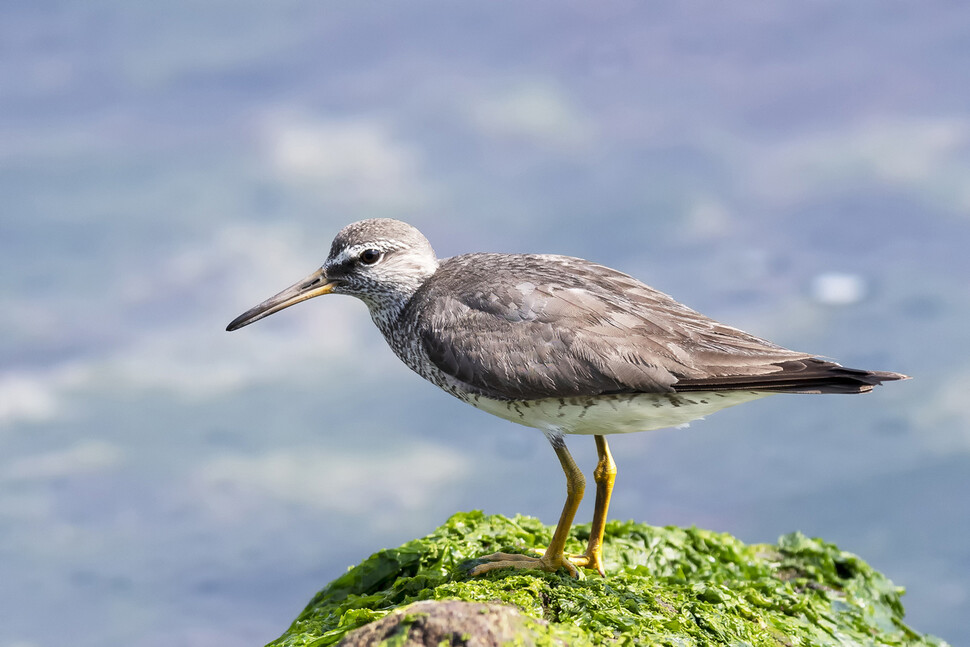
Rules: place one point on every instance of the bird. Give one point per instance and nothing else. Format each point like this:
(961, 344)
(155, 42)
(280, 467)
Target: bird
(558, 343)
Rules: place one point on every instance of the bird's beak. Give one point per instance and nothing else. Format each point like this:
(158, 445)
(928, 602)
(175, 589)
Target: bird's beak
(312, 286)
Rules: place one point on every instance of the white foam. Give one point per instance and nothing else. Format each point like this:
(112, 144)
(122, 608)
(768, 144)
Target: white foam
(345, 482)
(839, 288)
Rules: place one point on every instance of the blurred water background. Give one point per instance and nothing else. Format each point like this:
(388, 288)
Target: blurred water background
(799, 170)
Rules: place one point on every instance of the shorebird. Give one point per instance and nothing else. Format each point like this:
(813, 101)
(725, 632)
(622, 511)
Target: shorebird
(557, 343)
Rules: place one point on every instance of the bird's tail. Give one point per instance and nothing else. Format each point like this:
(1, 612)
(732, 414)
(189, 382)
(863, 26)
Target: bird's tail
(796, 376)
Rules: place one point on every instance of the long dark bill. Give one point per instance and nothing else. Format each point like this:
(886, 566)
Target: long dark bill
(312, 286)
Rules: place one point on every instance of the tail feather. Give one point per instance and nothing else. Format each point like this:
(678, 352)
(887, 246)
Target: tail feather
(796, 376)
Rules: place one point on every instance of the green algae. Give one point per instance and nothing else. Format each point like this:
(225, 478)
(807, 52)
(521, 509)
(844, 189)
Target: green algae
(664, 586)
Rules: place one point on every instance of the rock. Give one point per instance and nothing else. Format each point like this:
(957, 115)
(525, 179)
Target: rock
(664, 586)
(433, 623)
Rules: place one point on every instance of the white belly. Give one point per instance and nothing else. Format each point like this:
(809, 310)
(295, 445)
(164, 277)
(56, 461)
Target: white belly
(614, 414)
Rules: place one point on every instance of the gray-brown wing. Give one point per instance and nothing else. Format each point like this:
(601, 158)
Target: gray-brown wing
(529, 327)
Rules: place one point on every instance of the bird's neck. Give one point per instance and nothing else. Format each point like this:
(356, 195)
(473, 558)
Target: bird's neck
(389, 299)
(386, 309)
(385, 315)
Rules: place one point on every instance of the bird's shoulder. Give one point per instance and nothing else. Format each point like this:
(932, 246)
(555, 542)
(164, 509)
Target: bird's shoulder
(572, 294)
(527, 284)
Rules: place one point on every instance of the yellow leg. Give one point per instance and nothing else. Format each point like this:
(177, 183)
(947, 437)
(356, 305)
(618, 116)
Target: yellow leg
(605, 476)
(554, 558)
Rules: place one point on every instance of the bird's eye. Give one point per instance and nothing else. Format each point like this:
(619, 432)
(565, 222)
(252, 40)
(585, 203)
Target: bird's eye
(370, 256)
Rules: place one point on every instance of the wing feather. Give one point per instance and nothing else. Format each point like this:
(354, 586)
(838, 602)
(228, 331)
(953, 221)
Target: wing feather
(539, 326)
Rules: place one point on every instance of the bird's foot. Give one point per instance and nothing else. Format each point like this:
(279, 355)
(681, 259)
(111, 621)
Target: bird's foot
(593, 562)
(592, 559)
(545, 562)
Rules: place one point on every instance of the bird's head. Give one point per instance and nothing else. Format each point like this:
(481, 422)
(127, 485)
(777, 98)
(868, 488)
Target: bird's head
(380, 261)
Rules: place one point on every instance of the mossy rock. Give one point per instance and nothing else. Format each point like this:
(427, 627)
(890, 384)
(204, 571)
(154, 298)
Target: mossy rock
(664, 586)
(451, 622)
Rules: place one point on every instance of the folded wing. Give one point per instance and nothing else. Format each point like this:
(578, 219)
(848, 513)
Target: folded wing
(536, 326)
